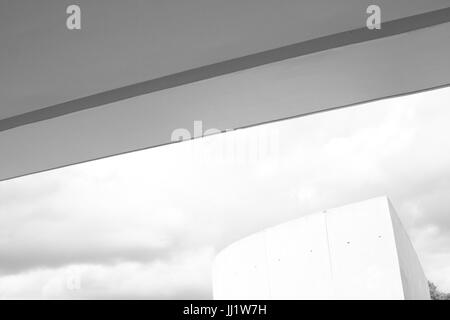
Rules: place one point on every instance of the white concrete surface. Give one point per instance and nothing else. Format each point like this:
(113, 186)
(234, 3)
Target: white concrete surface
(124, 42)
(358, 251)
(375, 69)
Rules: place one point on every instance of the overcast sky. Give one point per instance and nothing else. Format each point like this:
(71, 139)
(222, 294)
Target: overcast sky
(148, 224)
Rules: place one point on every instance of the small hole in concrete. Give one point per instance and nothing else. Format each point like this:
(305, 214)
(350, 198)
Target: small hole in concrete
(348, 242)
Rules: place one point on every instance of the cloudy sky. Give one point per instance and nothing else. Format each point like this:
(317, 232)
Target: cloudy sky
(148, 224)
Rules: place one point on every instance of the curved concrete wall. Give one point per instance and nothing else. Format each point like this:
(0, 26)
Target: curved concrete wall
(358, 251)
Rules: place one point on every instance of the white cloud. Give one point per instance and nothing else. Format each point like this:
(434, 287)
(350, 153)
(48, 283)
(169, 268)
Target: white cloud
(147, 224)
(185, 274)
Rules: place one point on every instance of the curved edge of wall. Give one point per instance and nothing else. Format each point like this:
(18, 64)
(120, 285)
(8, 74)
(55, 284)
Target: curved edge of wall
(358, 251)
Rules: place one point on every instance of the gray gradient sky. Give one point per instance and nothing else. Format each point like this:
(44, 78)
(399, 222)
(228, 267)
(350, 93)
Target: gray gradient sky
(148, 224)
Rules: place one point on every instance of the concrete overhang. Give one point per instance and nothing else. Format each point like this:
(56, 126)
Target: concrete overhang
(138, 70)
